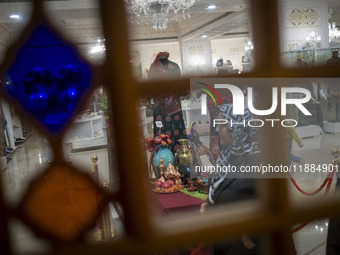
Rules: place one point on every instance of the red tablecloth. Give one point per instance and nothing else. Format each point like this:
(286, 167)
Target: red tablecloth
(175, 202)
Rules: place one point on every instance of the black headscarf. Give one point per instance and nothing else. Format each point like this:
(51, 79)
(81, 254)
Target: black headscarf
(243, 142)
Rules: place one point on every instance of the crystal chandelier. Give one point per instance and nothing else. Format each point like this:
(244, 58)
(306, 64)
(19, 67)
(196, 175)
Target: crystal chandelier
(159, 10)
(313, 41)
(249, 45)
(333, 31)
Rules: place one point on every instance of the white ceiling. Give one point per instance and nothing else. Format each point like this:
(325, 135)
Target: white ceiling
(79, 21)
(82, 15)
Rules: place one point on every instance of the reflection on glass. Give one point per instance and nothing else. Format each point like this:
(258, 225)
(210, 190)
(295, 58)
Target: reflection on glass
(88, 146)
(27, 159)
(23, 240)
(306, 36)
(299, 58)
(31, 154)
(79, 23)
(109, 226)
(47, 78)
(214, 32)
(88, 131)
(88, 137)
(15, 16)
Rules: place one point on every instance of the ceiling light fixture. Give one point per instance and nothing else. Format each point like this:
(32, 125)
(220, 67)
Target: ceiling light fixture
(333, 31)
(313, 41)
(204, 36)
(99, 47)
(212, 7)
(14, 16)
(159, 10)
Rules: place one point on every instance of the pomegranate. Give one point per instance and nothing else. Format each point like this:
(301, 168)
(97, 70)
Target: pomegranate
(158, 184)
(166, 185)
(171, 182)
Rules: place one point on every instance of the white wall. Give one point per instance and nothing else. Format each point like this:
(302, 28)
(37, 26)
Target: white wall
(295, 28)
(197, 58)
(148, 52)
(229, 49)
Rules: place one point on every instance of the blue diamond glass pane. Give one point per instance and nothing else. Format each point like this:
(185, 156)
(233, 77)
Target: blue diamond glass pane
(48, 78)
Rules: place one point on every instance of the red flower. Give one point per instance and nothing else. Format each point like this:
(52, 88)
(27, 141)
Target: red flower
(149, 141)
(158, 140)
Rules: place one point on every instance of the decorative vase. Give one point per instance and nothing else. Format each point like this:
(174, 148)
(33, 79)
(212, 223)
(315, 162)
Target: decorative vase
(183, 154)
(166, 155)
(183, 160)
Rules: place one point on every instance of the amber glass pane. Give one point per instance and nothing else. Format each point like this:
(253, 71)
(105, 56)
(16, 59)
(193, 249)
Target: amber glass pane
(63, 202)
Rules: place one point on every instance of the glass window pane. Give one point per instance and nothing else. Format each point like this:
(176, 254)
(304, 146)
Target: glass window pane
(14, 18)
(79, 23)
(88, 146)
(26, 154)
(309, 32)
(88, 137)
(47, 78)
(23, 240)
(200, 38)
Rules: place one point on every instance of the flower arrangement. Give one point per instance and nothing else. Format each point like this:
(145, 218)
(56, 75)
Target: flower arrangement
(153, 144)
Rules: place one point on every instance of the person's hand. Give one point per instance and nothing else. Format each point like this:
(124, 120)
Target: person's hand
(300, 145)
(203, 207)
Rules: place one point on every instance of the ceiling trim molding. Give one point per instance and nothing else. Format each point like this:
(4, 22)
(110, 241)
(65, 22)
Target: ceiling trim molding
(207, 24)
(154, 39)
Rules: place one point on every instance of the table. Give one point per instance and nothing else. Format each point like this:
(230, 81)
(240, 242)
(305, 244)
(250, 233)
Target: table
(165, 204)
(175, 202)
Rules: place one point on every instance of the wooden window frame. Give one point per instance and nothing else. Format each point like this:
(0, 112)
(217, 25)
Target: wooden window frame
(274, 214)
